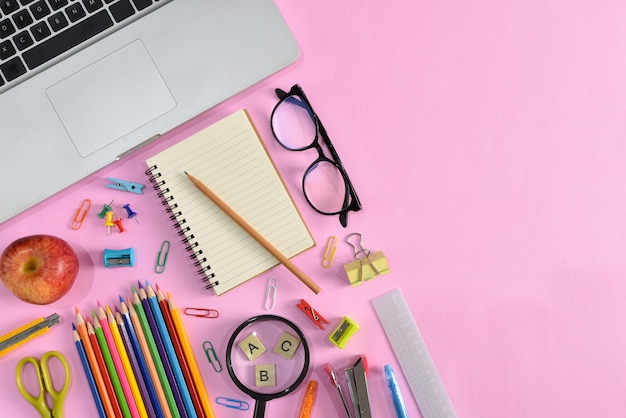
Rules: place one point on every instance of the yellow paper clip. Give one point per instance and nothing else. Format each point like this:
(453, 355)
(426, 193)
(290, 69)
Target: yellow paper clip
(211, 355)
(270, 293)
(162, 257)
(366, 265)
(202, 312)
(81, 213)
(343, 332)
(329, 254)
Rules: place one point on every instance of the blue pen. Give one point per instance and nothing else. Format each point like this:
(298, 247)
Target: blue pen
(396, 395)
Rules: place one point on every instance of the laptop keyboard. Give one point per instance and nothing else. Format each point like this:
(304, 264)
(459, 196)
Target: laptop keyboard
(34, 32)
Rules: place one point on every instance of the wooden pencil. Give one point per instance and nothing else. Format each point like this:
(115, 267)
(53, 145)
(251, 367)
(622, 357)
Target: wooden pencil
(99, 376)
(254, 233)
(145, 352)
(125, 361)
(103, 368)
(170, 351)
(167, 316)
(178, 397)
(108, 361)
(88, 372)
(154, 352)
(191, 359)
(134, 364)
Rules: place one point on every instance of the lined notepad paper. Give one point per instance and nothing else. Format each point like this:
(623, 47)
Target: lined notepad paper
(231, 160)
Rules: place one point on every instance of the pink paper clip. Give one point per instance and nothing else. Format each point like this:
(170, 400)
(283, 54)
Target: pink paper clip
(81, 213)
(202, 312)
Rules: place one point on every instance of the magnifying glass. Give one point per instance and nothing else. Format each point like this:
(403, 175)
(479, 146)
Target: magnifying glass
(267, 357)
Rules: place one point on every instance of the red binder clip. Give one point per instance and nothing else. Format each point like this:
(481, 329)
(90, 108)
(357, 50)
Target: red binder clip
(312, 314)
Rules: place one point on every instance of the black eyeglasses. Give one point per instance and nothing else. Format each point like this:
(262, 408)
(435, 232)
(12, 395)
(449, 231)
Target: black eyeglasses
(325, 184)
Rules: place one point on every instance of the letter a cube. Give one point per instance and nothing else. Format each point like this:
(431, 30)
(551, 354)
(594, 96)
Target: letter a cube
(252, 347)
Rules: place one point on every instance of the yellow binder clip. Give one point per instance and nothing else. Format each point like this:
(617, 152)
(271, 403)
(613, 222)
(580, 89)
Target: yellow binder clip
(366, 265)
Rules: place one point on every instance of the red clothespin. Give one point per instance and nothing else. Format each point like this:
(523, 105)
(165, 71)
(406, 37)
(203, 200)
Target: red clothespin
(312, 314)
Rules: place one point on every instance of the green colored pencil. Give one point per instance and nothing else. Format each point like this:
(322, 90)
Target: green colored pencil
(108, 359)
(141, 314)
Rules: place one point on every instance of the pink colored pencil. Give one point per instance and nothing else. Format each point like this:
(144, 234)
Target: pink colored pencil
(117, 361)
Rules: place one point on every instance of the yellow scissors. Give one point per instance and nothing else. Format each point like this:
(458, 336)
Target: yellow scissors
(46, 386)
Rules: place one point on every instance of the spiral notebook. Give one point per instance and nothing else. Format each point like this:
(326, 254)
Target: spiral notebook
(231, 159)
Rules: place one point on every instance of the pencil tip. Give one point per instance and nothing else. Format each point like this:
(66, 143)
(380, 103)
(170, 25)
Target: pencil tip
(139, 283)
(186, 173)
(121, 298)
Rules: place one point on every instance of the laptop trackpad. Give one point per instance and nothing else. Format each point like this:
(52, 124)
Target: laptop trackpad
(110, 98)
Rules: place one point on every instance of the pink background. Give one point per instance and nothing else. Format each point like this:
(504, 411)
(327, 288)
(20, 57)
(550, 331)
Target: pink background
(486, 142)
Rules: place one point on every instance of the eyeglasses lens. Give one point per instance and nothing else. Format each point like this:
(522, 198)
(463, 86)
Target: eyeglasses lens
(295, 129)
(293, 124)
(325, 188)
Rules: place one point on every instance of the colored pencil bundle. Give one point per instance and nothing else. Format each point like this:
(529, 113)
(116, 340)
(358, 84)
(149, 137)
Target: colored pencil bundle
(138, 359)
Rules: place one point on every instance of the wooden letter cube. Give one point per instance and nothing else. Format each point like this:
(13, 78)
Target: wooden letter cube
(252, 347)
(287, 345)
(265, 375)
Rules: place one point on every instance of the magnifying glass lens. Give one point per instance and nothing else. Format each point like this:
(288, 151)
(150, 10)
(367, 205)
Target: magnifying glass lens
(267, 357)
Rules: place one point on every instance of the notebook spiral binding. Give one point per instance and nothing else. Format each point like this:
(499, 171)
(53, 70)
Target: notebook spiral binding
(184, 231)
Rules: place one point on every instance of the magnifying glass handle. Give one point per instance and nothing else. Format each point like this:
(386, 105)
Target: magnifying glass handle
(259, 409)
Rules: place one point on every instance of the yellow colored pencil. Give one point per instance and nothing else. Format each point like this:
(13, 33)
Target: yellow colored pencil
(130, 374)
(149, 361)
(191, 359)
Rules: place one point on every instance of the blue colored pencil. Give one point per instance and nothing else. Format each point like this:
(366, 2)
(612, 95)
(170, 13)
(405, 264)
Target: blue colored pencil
(169, 348)
(143, 302)
(134, 365)
(88, 372)
(143, 366)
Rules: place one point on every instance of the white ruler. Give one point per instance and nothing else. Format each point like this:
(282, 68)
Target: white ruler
(413, 356)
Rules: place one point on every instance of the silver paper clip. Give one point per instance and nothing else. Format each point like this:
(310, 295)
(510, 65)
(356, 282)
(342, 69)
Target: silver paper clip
(210, 352)
(162, 257)
(232, 403)
(270, 293)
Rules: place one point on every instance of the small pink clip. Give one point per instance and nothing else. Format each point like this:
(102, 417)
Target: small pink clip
(81, 213)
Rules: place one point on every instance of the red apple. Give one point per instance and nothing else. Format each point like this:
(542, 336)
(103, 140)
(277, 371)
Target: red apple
(39, 269)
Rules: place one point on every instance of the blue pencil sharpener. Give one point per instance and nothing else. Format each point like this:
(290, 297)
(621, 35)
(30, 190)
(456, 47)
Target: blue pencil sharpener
(119, 258)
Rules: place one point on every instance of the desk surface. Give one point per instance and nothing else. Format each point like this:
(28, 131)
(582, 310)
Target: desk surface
(486, 142)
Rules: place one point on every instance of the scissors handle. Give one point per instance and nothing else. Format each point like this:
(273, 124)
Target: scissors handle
(45, 383)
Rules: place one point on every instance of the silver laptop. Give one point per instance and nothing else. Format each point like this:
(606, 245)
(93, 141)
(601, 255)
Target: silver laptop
(143, 68)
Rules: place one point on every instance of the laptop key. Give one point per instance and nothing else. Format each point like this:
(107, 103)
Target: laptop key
(75, 12)
(39, 9)
(142, 4)
(57, 4)
(9, 6)
(22, 19)
(40, 30)
(12, 69)
(23, 40)
(121, 10)
(57, 21)
(92, 5)
(6, 28)
(66, 40)
(6, 50)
